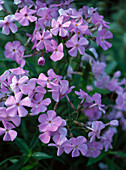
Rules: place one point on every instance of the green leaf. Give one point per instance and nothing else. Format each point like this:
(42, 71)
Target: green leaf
(95, 160)
(22, 145)
(101, 91)
(118, 153)
(41, 155)
(8, 159)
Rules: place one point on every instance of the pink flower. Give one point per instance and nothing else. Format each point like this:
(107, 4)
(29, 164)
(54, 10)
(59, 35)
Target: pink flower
(14, 50)
(76, 45)
(59, 143)
(57, 50)
(39, 105)
(49, 122)
(10, 135)
(25, 16)
(1, 2)
(5, 117)
(41, 61)
(101, 39)
(16, 84)
(7, 25)
(59, 26)
(44, 39)
(97, 126)
(16, 105)
(76, 144)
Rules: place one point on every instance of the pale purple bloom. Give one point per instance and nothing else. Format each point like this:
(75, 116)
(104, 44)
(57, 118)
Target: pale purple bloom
(59, 91)
(75, 145)
(98, 68)
(56, 49)
(45, 136)
(102, 35)
(107, 138)
(114, 123)
(22, 3)
(19, 71)
(94, 149)
(98, 21)
(41, 61)
(77, 45)
(14, 50)
(49, 122)
(5, 117)
(59, 143)
(78, 27)
(46, 16)
(1, 2)
(16, 105)
(87, 11)
(59, 26)
(39, 105)
(30, 88)
(7, 25)
(10, 134)
(17, 83)
(97, 99)
(93, 113)
(97, 126)
(25, 16)
(43, 38)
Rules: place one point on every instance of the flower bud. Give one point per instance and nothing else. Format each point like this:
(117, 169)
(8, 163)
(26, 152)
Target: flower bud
(41, 61)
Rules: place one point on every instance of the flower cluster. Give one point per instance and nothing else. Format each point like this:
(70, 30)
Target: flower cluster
(63, 33)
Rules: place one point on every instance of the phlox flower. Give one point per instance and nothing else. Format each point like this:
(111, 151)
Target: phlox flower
(43, 38)
(97, 126)
(56, 49)
(17, 83)
(22, 3)
(102, 35)
(7, 25)
(49, 122)
(77, 45)
(16, 105)
(41, 61)
(30, 88)
(25, 16)
(1, 2)
(5, 117)
(59, 143)
(75, 145)
(10, 134)
(94, 149)
(59, 26)
(39, 105)
(14, 50)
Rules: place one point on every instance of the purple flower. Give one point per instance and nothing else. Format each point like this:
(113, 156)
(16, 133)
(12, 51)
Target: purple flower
(46, 16)
(41, 61)
(94, 149)
(57, 50)
(16, 105)
(7, 25)
(76, 45)
(101, 39)
(14, 50)
(75, 145)
(59, 26)
(98, 21)
(39, 105)
(59, 143)
(5, 117)
(49, 122)
(22, 3)
(1, 2)
(97, 126)
(10, 135)
(17, 84)
(98, 68)
(107, 138)
(44, 39)
(25, 16)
